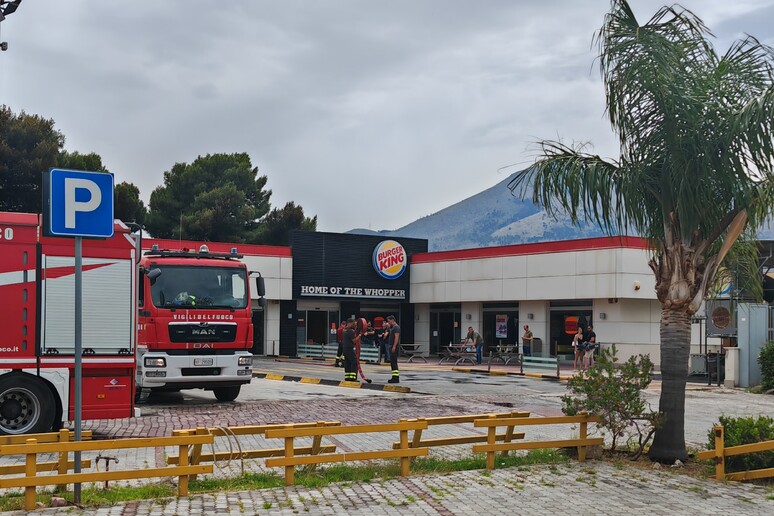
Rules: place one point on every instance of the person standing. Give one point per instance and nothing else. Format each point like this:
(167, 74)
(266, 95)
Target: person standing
(340, 341)
(577, 347)
(526, 340)
(478, 341)
(383, 338)
(349, 342)
(394, 347)
(591, 345)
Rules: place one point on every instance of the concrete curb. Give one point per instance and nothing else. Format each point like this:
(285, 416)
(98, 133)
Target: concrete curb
(332, 383)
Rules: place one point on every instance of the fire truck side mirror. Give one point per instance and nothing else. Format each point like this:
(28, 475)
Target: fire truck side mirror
(153, 274)
(260, 286)
(262, 302)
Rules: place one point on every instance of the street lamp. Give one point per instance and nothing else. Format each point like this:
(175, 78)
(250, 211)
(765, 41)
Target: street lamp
(7, 7)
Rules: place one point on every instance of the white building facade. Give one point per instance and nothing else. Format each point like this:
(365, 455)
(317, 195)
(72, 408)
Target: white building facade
(552, 286)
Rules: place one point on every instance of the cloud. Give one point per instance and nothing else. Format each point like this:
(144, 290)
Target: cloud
(367, 114)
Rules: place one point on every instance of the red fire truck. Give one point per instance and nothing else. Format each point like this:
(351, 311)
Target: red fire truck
(37, 331)
(194, 321)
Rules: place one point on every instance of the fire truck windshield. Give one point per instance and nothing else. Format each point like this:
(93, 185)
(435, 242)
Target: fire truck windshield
(200, 287)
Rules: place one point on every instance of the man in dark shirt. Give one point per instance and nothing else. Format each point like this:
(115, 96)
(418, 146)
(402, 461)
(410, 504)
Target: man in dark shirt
(478, 341)
(383, 339)
(348, 345)
(394, 347)
(590, 344)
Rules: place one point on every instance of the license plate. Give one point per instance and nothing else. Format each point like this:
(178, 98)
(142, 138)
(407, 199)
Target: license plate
(202, 361)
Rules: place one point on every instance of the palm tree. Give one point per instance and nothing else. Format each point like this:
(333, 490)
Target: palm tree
(694, 172)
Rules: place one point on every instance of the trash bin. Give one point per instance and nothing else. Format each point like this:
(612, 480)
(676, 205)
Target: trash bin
(716, 366)
(537, 347)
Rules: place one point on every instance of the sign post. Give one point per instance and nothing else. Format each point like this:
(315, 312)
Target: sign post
(78, 205)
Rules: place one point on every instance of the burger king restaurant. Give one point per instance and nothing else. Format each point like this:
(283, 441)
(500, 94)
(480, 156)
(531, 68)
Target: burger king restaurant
(553, 287)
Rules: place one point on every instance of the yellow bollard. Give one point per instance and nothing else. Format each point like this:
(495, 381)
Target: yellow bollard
(30, 470)
(289, 470)
(64, 436)
(491, 438)
(404, 461)
(582, 448)
(182, 482)
(720, 459)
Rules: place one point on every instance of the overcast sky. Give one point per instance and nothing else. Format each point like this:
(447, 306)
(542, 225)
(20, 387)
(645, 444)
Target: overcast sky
(368, 114)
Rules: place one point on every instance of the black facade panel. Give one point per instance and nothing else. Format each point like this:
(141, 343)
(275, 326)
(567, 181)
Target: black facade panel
(407, 322)
(288, 327)
(337, 265)
(349, 308)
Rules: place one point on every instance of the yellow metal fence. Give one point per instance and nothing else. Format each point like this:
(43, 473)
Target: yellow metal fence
(720, 453)
(191, 453)
(32, 448)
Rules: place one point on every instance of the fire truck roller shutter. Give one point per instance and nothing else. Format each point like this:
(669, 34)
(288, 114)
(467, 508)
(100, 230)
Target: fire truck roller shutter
(26, 405)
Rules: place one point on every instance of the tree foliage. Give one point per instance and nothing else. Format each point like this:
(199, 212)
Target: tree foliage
(91, 162)
(696, 135)
(766, 361)
(128, 205)
(275, 228)
(216, 197)
(29, 145)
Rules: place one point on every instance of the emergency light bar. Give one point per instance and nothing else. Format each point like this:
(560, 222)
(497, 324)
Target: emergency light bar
(203, 253)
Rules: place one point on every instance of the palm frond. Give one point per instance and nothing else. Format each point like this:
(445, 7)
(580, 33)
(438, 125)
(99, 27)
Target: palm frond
(584, 186)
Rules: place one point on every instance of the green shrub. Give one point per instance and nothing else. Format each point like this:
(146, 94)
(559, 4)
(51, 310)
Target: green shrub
(613, 392)
(766, 360)
(745, 430)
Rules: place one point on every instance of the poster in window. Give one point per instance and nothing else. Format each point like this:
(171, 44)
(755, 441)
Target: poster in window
(501, 326)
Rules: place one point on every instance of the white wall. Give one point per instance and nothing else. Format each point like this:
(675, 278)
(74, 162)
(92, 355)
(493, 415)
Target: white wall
(597, 273)
(618, 280)
(277, 272)
(422, 327)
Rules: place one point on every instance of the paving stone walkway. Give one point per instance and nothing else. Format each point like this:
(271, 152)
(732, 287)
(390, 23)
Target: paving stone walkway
(571, 488)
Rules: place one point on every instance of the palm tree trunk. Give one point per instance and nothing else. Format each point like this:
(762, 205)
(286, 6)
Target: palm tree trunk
(669, 441)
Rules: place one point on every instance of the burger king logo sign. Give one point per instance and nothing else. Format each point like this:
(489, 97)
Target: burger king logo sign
(390, 259)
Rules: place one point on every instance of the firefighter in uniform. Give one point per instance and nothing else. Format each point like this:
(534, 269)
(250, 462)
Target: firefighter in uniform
(348, 344)
(340, 340)
(394, 346)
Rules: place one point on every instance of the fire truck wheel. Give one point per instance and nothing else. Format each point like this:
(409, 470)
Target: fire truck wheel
(26, 405)
(227, 393)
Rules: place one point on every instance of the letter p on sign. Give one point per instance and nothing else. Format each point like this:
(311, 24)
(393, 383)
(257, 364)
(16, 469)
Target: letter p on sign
(78, 203)
(72, 205)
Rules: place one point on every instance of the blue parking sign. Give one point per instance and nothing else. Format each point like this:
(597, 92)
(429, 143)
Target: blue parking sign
(78, 203)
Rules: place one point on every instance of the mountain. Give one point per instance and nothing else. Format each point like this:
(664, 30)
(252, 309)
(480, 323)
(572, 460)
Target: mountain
(490, 218)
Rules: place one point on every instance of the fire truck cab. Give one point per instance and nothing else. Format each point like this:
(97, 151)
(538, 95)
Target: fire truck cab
(194, 322)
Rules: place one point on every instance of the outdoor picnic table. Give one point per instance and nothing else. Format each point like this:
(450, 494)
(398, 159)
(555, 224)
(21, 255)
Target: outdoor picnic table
(411, 351)
(505, 352)
(460, 353)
